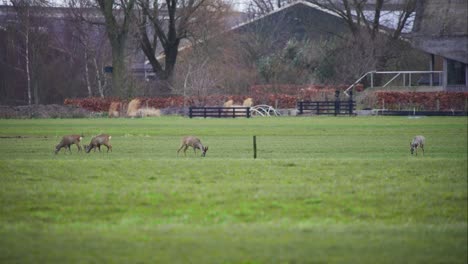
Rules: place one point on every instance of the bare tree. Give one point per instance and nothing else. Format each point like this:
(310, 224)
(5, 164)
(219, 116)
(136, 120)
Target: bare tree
(167, 23)
(118, 15)
(25, 10)
(219, 65)
(87, 31)
(257, 8)
(365, 17)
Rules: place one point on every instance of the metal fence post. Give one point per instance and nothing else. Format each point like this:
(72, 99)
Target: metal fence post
(337, 102)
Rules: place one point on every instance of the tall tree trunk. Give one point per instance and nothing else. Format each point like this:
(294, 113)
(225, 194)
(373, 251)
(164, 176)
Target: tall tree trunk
(88, 85)
(36, 93)
(28, 65)
(118, 71)
(117, 32)
(99, 78)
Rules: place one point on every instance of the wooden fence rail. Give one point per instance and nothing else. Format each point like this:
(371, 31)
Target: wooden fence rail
(219, 112)
(327, 107)
(335, 107)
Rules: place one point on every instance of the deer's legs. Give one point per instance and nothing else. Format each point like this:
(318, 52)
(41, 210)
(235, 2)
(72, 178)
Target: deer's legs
(109, 146)
(179, 149)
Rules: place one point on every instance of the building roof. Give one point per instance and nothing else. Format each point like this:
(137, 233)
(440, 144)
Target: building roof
(296, 3)
(441, 28)
(298, 19)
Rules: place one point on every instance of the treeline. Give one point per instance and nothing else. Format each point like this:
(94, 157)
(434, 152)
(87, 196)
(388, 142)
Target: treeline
(91, 48)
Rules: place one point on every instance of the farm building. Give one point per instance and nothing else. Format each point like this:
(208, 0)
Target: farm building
(298, 20)
(441, 30)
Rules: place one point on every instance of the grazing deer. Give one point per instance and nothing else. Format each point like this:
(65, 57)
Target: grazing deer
(418, 141)
(67, 141)
(195, 143)
(97, 141)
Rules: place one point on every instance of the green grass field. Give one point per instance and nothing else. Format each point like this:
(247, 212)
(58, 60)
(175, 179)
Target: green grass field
(322, 190)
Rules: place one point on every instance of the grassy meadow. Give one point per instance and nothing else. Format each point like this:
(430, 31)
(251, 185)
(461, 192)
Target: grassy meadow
(322, 190)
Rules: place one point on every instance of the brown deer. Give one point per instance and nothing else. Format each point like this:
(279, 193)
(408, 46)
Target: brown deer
(195, 143)
(67, 141)
(97, 141)
(418, 142)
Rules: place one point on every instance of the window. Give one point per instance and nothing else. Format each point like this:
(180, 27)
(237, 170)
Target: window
(455, 73)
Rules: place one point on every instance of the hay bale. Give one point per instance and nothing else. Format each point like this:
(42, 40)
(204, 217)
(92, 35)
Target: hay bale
(148, 111)
(228, 103)
(248, 102)
(114, 109)
(133, 107)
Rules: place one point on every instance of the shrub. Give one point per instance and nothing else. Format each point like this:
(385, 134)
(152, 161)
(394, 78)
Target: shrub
(114, 109)
(443, 101)
(95, 104)
(144, 112)
(133, 107)
(280, 96)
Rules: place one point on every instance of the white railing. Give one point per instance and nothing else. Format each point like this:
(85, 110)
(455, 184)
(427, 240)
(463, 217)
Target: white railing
(433, 77)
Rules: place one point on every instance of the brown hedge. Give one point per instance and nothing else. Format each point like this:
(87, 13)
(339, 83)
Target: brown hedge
(443, 101)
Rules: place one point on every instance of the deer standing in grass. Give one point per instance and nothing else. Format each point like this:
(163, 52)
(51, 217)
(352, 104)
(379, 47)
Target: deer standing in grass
(97, 141)
(195, 143)
(418, 142)
(67, 141)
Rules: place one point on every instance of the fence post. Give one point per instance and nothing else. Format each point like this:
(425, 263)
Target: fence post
(466, 105)
(337, 102)
(255, 146)
(204, 112)
(350, 103)
(318, 107)
(301, 110)
(233, 112)
(190, 112)
(247, 109)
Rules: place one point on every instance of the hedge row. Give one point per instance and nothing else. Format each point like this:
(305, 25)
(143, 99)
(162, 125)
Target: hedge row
(434, 101)
(444, 101)
(98, 104)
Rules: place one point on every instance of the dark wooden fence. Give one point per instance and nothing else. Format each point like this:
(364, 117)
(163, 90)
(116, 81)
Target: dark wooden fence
(219, 112)
(336, 107)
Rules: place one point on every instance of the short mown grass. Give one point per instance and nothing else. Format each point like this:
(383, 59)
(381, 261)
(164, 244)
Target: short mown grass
(333, 190)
